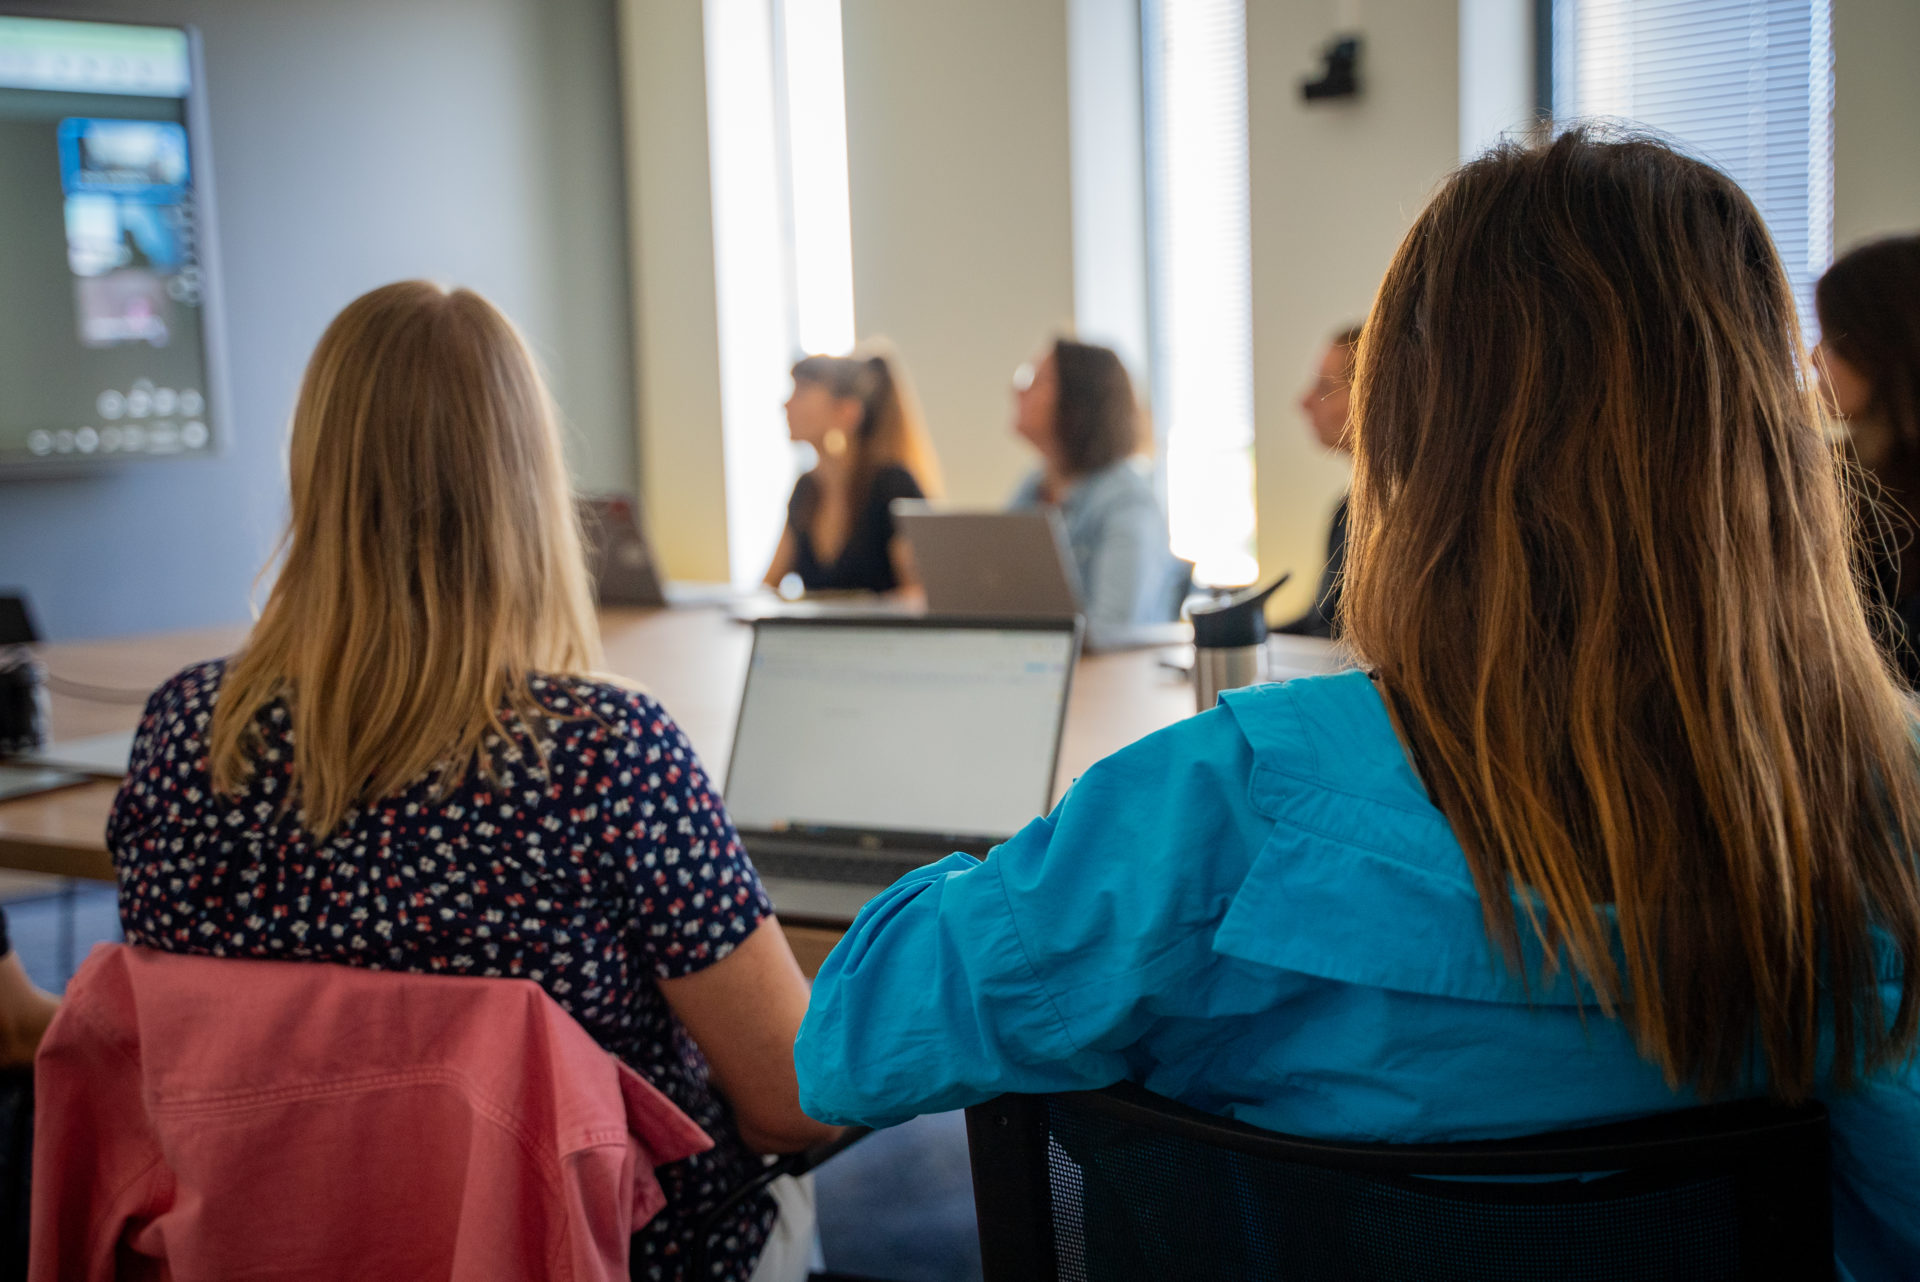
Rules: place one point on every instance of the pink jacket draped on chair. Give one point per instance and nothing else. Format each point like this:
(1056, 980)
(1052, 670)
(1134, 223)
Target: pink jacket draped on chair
(203, 1118)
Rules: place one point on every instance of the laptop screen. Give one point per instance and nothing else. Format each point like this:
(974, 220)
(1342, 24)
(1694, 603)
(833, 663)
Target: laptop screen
(906, 728)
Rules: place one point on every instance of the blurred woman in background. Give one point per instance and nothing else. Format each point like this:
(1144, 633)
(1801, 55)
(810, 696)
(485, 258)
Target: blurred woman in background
(1869, 362)
(1075, 405)
(859, 414)
(1327, 406)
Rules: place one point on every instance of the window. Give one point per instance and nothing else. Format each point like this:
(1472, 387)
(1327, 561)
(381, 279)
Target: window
(1745, 84)
(1199, 267)
(782, 245)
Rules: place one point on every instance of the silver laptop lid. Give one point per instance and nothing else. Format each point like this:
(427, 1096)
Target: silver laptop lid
(927, 731)
(1009, 564)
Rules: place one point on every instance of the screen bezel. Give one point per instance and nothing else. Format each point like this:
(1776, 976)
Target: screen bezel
(891, 839)
(213, 307)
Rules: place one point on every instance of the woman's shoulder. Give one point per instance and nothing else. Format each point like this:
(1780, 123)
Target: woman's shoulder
(894, 481)
(187, 696)
(1328, 732)
(1122, 491)
(617, 710)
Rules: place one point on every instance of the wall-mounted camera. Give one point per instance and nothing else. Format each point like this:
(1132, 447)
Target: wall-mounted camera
(1340, 71)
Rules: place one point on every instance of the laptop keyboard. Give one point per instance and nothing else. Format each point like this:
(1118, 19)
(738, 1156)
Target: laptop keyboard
(810, 865)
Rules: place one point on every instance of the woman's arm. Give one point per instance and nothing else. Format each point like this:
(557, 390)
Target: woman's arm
(744, 1012)
(783, 560)
(906, 575)
(25, 1011)
(1036, 970)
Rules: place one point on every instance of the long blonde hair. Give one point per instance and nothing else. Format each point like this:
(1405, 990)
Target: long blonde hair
(892, 430)
(432, 560)
(1599, 560)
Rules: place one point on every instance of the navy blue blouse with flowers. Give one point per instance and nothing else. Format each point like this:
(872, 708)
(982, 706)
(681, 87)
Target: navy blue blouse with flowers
(612, 868)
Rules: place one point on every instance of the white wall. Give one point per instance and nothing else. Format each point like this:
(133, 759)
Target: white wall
(1876, 119)
(962, 229)
(1334, 187)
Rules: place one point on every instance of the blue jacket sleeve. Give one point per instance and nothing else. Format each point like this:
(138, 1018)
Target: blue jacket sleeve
(1041, 968)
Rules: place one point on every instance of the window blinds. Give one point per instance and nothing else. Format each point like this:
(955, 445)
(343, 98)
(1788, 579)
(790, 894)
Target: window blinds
(1744, 84)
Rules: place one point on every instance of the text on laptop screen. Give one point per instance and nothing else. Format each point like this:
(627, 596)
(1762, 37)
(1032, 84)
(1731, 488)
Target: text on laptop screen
(905, 729)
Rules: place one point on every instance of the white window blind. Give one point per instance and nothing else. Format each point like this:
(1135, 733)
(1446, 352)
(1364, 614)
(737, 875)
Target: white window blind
(1745, 84)
(1199, 278)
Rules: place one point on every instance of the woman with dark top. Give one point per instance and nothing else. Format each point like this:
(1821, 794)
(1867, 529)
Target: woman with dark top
(1869, 362)
(1074, 404)
(410, 765)
(1326, 405)
(859, 415)
(1623, 817)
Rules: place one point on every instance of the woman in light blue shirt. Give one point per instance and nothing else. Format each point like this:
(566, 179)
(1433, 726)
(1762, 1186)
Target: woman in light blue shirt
(1075, 405)
(1621, 818)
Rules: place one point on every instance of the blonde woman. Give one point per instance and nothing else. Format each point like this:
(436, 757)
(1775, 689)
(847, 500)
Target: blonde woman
(408, 765)
(859, 414)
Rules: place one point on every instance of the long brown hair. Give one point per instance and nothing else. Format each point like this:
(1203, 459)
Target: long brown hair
(432, 560)
(891, 431)
(1599, 561)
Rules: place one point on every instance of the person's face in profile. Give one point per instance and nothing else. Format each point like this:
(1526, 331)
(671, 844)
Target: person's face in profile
(1325, 402)
(814, 412)
(1036, 391)
(1845, 387)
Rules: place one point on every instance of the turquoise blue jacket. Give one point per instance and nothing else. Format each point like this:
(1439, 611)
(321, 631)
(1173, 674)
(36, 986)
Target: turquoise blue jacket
(1258, 912)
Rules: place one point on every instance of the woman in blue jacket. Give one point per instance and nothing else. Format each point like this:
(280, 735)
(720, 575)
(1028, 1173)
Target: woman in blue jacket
(1620, 816)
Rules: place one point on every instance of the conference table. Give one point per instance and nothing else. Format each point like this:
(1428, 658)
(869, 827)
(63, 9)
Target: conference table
(692, 658)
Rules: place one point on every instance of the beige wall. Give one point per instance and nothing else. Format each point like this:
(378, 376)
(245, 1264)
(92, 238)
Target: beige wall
(1876, 119)
(1334, 187)
(676, 326)
(962, 249)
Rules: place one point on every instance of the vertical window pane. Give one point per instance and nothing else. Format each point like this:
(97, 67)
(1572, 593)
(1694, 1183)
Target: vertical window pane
(1196, 71)
(817, 155)
(783, 263)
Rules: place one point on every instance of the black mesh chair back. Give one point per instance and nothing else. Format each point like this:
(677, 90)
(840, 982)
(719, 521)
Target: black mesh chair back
(1115, 1185)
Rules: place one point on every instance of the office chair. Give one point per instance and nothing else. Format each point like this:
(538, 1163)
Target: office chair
(1114, 1185)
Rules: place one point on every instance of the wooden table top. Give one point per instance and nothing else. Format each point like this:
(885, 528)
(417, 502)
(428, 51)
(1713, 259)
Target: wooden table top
(693, 659)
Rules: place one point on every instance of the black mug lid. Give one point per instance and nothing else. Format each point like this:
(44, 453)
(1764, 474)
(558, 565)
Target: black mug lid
(1240, 620)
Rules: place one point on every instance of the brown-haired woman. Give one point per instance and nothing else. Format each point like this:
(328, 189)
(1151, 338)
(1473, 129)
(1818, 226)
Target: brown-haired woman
(1869, 362)
(410, 765)
(1075, 405)
(859, 414)
(1623, 817)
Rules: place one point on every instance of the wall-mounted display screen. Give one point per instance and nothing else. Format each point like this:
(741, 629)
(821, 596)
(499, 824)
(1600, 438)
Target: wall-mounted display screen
(105, 342)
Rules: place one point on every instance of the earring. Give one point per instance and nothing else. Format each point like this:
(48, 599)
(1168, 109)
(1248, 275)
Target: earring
(835, 442)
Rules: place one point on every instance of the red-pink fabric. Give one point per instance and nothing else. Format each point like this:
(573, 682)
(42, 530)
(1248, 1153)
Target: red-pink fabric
(201, 1118)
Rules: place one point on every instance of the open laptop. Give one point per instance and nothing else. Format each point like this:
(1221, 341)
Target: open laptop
(1002, 564)
(618, 557)
(867, 747)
